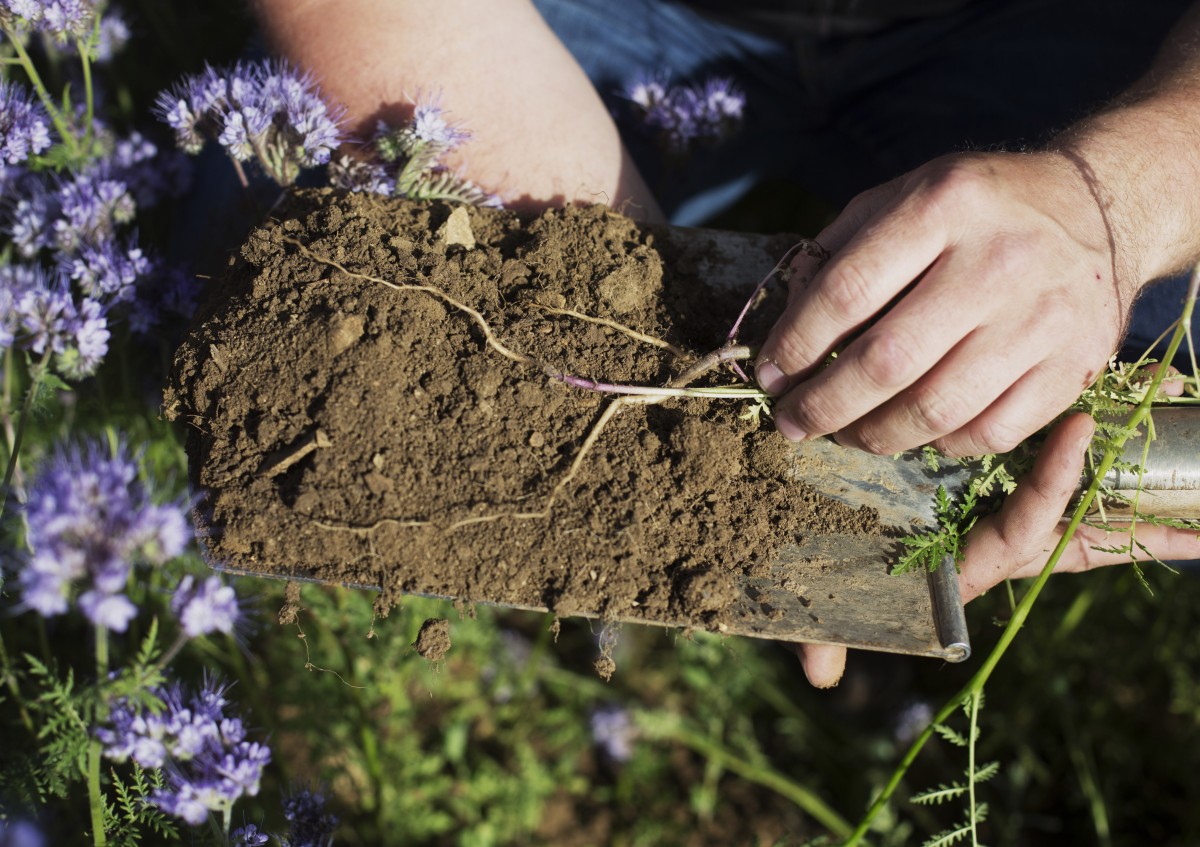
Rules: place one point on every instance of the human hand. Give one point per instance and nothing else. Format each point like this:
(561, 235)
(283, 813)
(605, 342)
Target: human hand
(1016, 541)
(997, 295)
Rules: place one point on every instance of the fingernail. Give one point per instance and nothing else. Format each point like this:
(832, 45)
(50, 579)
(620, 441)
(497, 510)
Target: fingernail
(788, 428)
(770, 377)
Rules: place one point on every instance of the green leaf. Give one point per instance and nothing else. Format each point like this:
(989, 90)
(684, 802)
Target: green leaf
(941, 794)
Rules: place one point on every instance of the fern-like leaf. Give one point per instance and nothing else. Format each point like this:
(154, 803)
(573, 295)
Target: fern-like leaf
(942, 794)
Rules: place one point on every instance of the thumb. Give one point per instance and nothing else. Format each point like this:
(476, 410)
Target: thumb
(1026, 524)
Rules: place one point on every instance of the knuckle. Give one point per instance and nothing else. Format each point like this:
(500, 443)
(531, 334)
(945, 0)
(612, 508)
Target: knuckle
(996, 435)
(814, 415)
(886, 358)
(937, 412)
(956, 183)
(846, 289)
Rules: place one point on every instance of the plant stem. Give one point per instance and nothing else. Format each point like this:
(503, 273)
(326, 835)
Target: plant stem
(971, 813)
(10, 681)
(95, 751)
(89, 95)
(56, 115)
(977, 681)
(14, 455)
(761, 774)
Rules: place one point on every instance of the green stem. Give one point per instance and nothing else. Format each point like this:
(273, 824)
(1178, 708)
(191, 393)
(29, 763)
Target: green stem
(971, 767)
(95, 751)
(56, 115)
(15, 453)
(10, 681)
(89, 95)
(976, 683)
(762, 775)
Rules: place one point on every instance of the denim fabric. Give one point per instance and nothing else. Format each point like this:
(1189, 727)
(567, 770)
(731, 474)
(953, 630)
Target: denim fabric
(842, 114)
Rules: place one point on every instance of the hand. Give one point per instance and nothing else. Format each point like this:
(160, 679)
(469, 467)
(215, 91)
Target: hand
(996, 298)
(1016, 541)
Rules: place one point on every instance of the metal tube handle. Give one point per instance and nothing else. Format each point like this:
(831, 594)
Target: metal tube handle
(1170, 484)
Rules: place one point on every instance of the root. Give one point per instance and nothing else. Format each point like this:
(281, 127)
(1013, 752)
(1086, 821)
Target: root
(493, 342)
(730, 352)
(619, 327)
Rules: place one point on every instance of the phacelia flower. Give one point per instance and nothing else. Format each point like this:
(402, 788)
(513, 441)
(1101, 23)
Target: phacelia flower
(91, 207)
(265, 111)
(248, 836)
(414, 153)
(614, 732)
(309, 825)
(107, 271)
(205, 607)
(351, 174)
(61, 19)
(89, 521)
(24, 125)
(40, 314)
(209, 764)
(686, 114)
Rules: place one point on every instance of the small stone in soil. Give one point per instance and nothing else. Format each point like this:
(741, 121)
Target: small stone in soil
(433, 641)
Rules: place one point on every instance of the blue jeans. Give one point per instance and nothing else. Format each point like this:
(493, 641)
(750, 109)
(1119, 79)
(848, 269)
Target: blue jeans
(841, 114)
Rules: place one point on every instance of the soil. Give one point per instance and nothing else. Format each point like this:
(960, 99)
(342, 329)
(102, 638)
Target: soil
(347, 431)
(433, 640)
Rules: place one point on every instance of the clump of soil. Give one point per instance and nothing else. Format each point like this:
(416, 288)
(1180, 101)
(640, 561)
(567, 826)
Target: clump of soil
(433, 640)
(357, 433)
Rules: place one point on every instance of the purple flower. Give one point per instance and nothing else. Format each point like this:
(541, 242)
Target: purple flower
(614, 732)
(429, 125)
(248, 836)
(265, 111)
(89, 521)
(108, 271)
(209, 764)
(208, 606)
(150, 174)
(350, 174)
(92, 205)
(44, 317)
(309, 825)
(24, 125)
(62, 19)
(685, 114)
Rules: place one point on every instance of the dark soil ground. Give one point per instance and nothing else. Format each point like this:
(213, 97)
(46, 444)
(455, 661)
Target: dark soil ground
(348, 431)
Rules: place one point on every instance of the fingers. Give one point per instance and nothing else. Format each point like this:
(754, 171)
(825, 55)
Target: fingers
(880, 260)
(1091, 547)
(823, 664)
(1019, 533)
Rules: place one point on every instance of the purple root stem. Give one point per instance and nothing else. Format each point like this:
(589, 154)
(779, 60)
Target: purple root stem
(728, 353)
(812, 248)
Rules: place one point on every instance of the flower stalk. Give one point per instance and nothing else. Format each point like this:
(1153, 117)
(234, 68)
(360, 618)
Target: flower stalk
(977, 682)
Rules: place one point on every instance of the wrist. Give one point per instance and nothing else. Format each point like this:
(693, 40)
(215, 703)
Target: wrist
(1141, 165)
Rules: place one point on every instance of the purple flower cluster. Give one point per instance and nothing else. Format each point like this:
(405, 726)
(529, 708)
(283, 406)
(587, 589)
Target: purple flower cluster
(248, 836)
(686, 114)
(209, 764)
(89, 521)
(40, 314)
(262, 111)
(412, 166)
(18, 833)
(24, 125)
(205, 607)
(62, 19)
(309, 825)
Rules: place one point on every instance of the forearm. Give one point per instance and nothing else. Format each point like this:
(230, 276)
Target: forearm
(1141, 160)
(541, 134)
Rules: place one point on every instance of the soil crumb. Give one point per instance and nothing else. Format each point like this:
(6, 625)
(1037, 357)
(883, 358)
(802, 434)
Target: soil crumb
(433, 641)
(350, 421)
